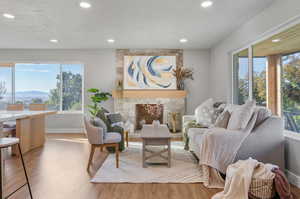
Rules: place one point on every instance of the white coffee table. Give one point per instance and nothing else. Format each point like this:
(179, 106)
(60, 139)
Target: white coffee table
(156, 136)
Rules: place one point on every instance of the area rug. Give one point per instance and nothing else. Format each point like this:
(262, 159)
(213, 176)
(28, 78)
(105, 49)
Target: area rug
(184, 168)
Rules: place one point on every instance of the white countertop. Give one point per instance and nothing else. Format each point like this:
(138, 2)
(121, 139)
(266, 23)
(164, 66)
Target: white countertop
(13, 115)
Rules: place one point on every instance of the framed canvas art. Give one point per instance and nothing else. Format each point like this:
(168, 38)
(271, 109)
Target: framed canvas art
(149, 72)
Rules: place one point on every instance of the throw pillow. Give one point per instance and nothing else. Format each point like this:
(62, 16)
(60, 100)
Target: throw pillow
(222, 120)
(204, 113)
(262, 114)
(100, 123)
(114, 118)
(218, 110)
(241, 116)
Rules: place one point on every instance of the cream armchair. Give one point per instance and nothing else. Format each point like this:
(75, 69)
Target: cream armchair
(97, 137)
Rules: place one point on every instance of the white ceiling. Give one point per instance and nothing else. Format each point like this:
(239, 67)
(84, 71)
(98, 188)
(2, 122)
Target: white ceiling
(132, 23)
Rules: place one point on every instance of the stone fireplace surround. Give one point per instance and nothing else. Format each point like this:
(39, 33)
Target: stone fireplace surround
(126, 106)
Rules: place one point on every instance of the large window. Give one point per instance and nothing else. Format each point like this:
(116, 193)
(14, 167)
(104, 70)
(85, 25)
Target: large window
(273, 79)
(59, 86)
(291, 91)
(241, 76)
(5, 85)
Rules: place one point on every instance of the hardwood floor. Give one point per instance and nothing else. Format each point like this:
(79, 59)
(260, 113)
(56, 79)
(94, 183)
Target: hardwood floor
(58, 171)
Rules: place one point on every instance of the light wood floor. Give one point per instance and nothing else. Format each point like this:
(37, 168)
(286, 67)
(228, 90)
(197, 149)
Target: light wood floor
(58, 171)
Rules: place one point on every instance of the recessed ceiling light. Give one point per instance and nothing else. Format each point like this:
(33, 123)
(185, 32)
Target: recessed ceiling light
(183, 40)
(207, 3)
(276, 40)
(111, 41)
(85, 4)
(8, 16)
(54, 40)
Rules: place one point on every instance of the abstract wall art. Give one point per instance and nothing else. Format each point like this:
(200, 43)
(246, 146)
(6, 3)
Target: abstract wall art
(149, 72)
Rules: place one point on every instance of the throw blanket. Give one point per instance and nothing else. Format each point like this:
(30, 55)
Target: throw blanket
(218, 150)
(282, 184)
(239, 177)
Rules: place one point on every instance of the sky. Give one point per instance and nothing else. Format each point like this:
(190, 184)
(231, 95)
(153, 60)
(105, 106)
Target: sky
(40, 77)
(259, 65)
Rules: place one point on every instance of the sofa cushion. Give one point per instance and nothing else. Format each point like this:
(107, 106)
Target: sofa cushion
(241, 116)
(222, 120)
(9, 124)
(262, 114)
(204, 113)
(196, 131)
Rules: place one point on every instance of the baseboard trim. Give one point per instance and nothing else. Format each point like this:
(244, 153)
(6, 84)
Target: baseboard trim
(77, 130)
(293, 178)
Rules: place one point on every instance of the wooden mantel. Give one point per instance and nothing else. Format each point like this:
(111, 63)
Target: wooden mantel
(149, 94)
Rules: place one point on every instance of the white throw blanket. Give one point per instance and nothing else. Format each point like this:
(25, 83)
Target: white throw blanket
(239, 177)
(218, 150)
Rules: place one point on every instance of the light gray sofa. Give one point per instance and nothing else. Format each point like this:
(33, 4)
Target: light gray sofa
(265, 143)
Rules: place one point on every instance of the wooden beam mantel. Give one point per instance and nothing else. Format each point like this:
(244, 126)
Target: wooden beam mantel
(149, 94)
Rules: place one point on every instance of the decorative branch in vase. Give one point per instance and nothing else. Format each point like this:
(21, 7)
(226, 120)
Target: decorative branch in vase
(181, 74)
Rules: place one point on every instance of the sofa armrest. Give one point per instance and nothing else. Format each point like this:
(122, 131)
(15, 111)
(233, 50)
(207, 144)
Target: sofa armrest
(265, 143)
(187, 118)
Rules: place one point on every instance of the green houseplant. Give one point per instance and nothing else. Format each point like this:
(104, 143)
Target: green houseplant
(97, 97)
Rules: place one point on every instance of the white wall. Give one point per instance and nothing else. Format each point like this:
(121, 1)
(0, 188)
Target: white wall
(100, 72)
(198, 89)
(273, 18)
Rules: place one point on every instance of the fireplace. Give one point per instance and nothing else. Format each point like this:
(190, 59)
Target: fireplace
(146, 113)
(127, 107)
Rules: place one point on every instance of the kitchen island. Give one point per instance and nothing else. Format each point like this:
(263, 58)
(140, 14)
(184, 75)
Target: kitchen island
(30, 127)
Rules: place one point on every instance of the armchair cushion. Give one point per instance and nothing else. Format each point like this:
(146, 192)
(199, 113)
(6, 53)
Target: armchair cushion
(99, 123)
(112, 137)
(94, 134)
(114, 118)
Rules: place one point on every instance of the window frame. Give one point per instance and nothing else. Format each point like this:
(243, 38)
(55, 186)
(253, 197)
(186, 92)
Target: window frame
(60, 111)
(250, 65)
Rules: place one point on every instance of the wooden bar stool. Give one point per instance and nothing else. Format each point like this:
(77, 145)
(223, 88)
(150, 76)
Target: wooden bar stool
(4, 143)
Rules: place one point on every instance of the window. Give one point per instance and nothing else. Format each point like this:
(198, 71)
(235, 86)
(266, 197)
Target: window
(274, 75)
(259, 80)
(41, 83)
(5, 85)
(71, 87)
(37, 84)
(241, 77)
(291, 91)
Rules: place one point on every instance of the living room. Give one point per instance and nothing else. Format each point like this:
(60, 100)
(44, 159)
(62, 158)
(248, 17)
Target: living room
(154, 70)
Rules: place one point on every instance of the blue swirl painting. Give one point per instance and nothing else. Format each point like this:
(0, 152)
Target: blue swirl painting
(149, 72)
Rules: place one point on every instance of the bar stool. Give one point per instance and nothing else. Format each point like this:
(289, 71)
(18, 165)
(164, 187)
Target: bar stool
(4, 143)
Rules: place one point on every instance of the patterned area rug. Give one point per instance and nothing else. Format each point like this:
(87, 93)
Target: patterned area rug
(184, 168)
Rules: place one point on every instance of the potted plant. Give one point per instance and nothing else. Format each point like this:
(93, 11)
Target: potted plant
(97, 98)
(181, 74)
